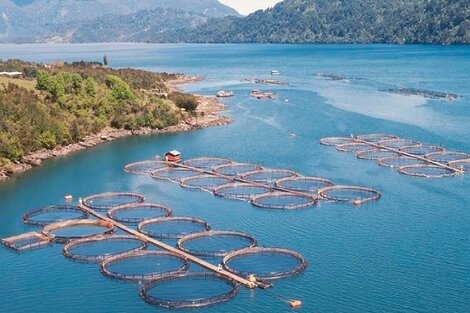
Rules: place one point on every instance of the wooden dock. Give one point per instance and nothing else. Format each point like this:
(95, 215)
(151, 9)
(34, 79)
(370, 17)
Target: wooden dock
(220, 271)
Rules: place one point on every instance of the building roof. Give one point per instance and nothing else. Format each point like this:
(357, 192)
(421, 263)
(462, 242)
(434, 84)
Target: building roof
(174, 152)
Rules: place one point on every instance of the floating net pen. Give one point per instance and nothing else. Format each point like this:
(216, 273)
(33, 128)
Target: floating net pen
(421, 150)
(375, 154)
(268, 176)
(206, 163)
(399, 161)
(106, 201)
(174, 174)
(26, 242)
(236, 169)
(399, 143)
(445, 157)
(304, 184)
(426, 170)
(53, 214)
(240, 191)
(172, 227)
(284, 201)
(136, 213)
(376, 137)
(354, 194)
(353, 147)
(144, 167)
(65, 231)
(334, 141)
(204, 182)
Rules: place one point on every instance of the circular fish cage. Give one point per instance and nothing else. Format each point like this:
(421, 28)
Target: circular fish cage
(190, 290)
(99, 248)
(376, 137)
(284, 201)
(399, 161)
(421, 150)
(268, 176)
(108, 200)
(53, 214)
(175, 174)
(135, 213)
(353, 147)
(236, 169)
(354, 194)
(143, 265)
(426, 170)
(265, 263)
(447, 156)
(65, 231)
(334, 141)
(304, 184)
(206, 163)
(375, 154)
(216, 243)
(144, 167)
(204, 182)
(240, 191)
(399, 143)
(173, 227)
(463, 165)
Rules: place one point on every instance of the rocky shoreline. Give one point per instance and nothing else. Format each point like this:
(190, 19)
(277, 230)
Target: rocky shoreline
(207, 115)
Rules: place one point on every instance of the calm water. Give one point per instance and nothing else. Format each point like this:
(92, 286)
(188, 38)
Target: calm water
(409, 252)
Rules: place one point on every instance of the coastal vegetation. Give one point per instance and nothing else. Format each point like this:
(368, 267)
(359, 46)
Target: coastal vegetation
(62, 103)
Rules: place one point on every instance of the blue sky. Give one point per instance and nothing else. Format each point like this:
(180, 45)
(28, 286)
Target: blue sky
(249, 6)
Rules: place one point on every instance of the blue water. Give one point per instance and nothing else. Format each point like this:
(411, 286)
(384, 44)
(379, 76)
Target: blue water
(408, 252)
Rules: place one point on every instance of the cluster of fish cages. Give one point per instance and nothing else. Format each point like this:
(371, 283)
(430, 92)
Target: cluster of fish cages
(278, 189)
(408, 156)
(164, 277)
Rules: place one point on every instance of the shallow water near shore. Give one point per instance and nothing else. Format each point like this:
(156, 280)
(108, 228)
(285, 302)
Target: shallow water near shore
(408, 252)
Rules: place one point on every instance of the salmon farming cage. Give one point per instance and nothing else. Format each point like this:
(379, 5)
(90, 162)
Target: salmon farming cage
(251, 242)
(206, 163)
(49, 230)
(463, 165)
(268, 176)
(155, 209)
(375, 154)
(205, 182)
(34, 217)
(421, 150)
(144, 167)
(174, 174)
(399, 161)
(204, 226)
(335, 141)
(353, 147)
(376, 137)
(106, 201)
(26, 242)
(268, 275)
(304, 183)
(357, 195)
(68, 250)
(399, 143)
(447, 156)
(146, 287)
(426, 170)
(240, 191)
(152, 257)
(236, 169)
(284, 201)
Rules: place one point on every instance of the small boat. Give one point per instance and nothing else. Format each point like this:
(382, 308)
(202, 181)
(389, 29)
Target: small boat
(275, 72)
(224, 94)
(258, 94)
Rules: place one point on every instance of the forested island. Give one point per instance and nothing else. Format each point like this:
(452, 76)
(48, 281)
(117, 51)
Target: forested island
(55, 109)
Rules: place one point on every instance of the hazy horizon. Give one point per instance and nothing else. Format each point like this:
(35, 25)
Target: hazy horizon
(246, 7)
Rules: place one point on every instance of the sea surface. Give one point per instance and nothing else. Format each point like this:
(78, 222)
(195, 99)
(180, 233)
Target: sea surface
(408, 252)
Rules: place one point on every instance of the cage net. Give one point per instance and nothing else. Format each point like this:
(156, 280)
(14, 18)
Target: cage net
(175, 174)
(144, 167)
(99, 248)
(143, 265)
(236, 169)
(215, 243)
(26, 242)
(173, 227)
(445, 157)
(376, 137)
(106, 201)
(206, 163)
(399, 143)
(204, 182)
(65, 231)
(426, 170)
(463, 165)
(353, 147)
(268, 176)
(421, 150)
(334, 141)
(136, 213)
(354, 194)
(52, 214)
(190, 290)
(304, 184)
(240, 191)
(284, 201)
(265, 263)
(375, 154)
(398, 161)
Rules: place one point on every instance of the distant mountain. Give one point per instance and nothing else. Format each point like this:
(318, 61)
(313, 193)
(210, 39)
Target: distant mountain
(33, 20)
